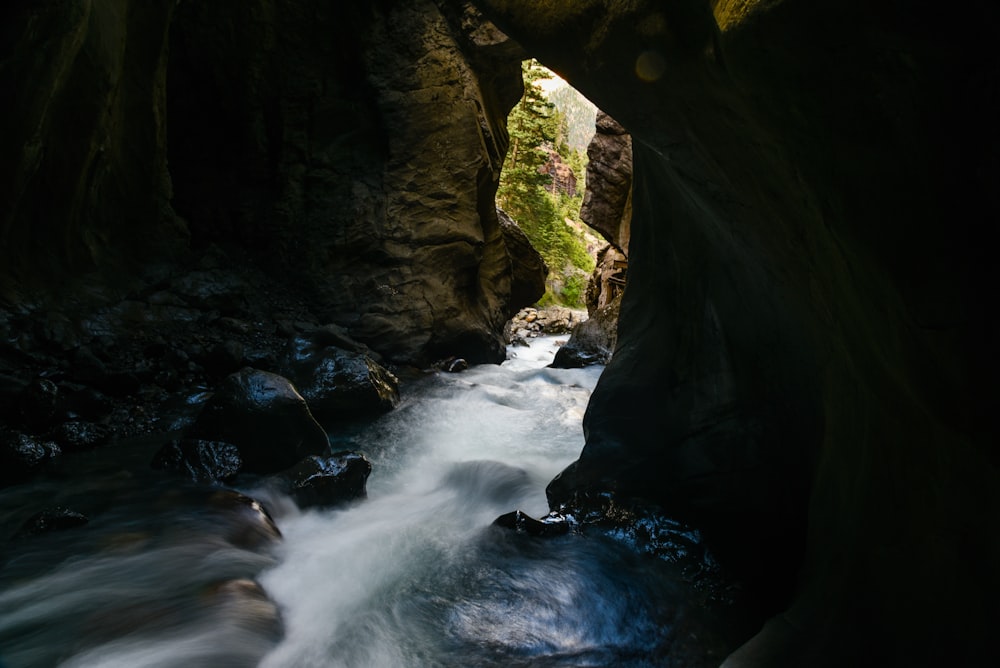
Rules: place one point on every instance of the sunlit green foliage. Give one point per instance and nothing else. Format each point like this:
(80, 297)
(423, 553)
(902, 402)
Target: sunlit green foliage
(547, 219)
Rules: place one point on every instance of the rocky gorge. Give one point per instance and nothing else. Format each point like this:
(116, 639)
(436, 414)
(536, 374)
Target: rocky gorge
(802, 366)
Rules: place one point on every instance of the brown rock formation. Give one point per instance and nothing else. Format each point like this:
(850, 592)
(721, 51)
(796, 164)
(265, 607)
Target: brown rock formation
(355, 150)
(529, 270)
(607, 207)
(805, 335)
(359, 149)
(607, 202)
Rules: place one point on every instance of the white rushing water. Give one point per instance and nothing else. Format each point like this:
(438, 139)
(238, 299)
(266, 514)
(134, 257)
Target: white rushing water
(387, 581)
(170, 574)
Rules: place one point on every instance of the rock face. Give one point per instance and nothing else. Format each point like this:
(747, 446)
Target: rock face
(83, 151)
(358, 149)
(529, 269)
(607, 207)
(607, 202)
(801, 352)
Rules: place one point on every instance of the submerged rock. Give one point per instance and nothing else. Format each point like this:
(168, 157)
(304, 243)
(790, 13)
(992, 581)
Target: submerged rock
(244, 603)
(327, 481)
(246, 522)
(487, 479)
(263, 415)
(202, 461)
(55, 518)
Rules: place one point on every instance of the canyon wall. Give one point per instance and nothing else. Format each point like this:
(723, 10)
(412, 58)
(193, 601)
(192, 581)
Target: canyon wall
(803, 366)
(359, 149)
(353, 151)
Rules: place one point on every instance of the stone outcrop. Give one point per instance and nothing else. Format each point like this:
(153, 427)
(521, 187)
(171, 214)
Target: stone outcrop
(607, 202)
(359, 150)
(531, 322)
(529, 269)
(803, 367)
(607, 207)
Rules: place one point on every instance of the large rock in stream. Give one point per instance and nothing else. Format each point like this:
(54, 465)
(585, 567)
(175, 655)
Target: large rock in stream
(326, 481)
(263, 415)
(338, 384)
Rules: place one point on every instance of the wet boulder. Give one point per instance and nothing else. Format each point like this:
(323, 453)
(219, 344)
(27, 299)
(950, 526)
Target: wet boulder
(265, 417)
(553, 525)
(200, 460)
(340, 384)
(244, 521)
(487, 480)
(327, 481)
(592, 341)
(77, 435)
(21, 456)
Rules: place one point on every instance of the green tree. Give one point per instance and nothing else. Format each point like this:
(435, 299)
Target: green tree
(535, 128)
(532, 125)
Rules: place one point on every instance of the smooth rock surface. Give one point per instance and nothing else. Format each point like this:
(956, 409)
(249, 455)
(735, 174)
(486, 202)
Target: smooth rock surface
(263, 415)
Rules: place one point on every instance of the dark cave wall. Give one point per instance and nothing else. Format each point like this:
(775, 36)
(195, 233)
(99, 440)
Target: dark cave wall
(358, 149)
(353, 150)
(83, 178)
(807, 341)
(804, 343)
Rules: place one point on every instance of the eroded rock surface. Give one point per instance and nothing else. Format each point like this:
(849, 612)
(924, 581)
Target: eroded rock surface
(359, 149)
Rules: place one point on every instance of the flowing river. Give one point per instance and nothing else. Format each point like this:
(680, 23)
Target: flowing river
(169, 574)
